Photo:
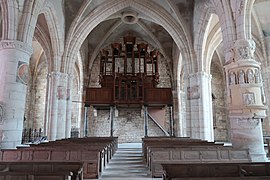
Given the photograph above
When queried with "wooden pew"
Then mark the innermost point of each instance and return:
(178, 150)
(165, 141)
(105, 145)
(219, 171)
(41, 170)
(93, 152)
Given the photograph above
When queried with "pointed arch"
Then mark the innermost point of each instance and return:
(80, 32)
(9, 19)
(56, 32)
(28, 20)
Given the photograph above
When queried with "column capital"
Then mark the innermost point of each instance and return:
(243, 50)
(199, 75)
(14, 44)
(59, 75)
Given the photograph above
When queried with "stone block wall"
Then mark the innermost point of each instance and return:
(36, 96)
(220, 117)
(128, 125)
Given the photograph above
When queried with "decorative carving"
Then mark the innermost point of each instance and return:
(249, 98)
(193, 92)
(22, 73)
(244, 49)
(257, 75)
(244, 52)
(249, 123)
(241, 78)
(250, 76)
(11, 44)
(232, 78)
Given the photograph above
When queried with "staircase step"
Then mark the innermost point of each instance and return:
(127, 163)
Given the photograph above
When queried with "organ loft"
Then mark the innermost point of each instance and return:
(129, 77)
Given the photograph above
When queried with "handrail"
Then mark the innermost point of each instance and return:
(160, 127)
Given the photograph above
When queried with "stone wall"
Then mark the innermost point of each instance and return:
(220, 118)
(128, 125)
(36, 96)
(40, 96)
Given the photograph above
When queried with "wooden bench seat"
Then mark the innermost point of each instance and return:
(173, 150)
(41, 170)
(105, 145)
(94, 154)
(252, 170)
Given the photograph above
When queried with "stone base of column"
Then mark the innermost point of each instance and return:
(247, 134)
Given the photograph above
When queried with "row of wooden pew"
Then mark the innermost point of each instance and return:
(217, 171)
(75, 158)
(172, 154)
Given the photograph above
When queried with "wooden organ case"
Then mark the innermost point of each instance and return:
(128, 77)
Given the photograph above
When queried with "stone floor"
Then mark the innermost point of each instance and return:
(127, 164)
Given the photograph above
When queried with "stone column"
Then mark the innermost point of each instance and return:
(145, 121)
(14, 59)
(62, 106)
(182, 115)
(199, 95)
(246, 100)
(175, 118)
(69, 106)
(47, 106)
(54, 78)
(86, 109)
(111, 119)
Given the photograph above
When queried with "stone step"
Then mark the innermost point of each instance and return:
(127, 163)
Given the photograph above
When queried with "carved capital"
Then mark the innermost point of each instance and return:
(248, 123)
(244, 49)
(13, 44)
(54, 74)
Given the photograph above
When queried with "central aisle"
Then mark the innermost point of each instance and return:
(127, 163)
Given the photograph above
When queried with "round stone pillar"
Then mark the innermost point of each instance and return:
(246, 101)
(69, 106)
(54, 78)
(62, 106)
(14, 59)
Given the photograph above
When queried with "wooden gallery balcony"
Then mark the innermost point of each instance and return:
(151, 97)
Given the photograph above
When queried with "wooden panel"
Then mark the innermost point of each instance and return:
(251, 170)
(99, 96)
(157, 96)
